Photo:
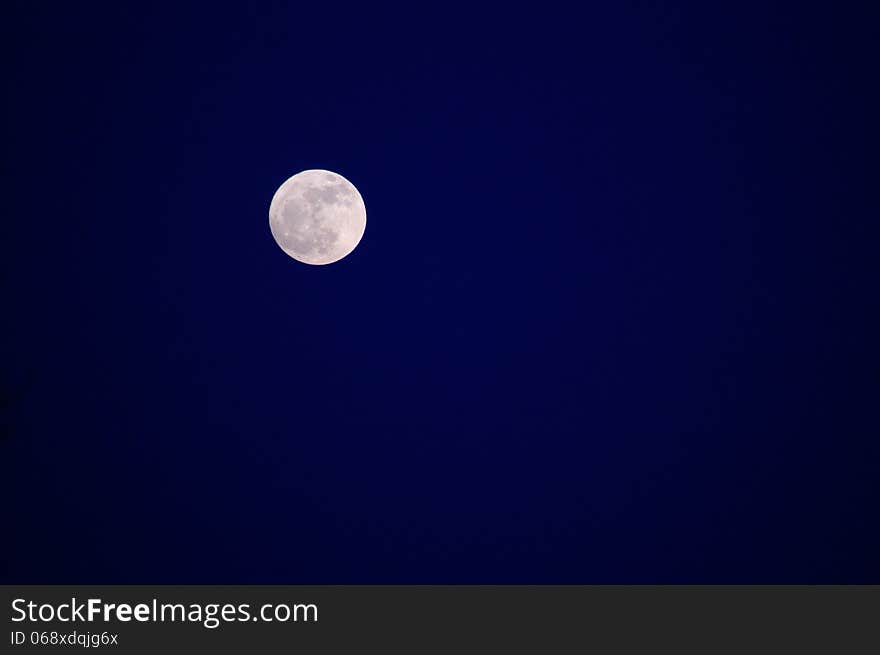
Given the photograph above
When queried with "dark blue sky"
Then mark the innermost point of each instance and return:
(613, 319)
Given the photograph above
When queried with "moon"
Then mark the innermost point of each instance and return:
(317, 217)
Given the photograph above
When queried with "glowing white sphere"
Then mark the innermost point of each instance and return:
(317, 217)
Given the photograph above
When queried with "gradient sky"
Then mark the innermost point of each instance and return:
(613, 319)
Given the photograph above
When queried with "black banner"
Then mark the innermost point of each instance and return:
(234, 619)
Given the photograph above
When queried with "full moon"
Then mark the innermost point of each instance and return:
(317, 217)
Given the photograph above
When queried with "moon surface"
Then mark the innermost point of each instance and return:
(317, 217)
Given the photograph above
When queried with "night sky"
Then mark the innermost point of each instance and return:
(613, 320)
